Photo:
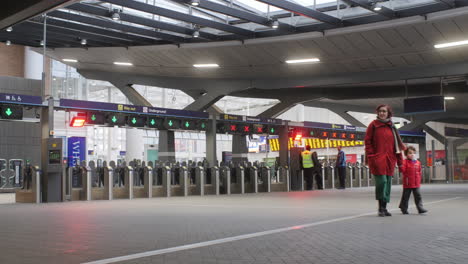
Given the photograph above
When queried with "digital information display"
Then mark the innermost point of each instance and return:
(54, 157)
(315, 143)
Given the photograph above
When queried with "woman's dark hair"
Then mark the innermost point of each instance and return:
(314, 154)
(408, 149)
(389, 110)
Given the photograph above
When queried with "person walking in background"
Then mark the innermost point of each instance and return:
(412, 171)
(341, 166)
(317, 171)
(307, 167)
(383, 147)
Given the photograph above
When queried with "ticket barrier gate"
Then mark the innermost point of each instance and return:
(11, 173)
(31, 192)
(225, 181)
(123, 176)
(264, 179)
(141, 179)
(251, 178)
(330, 177)
(284, 180)
(76, 179)
(396, 176)
(238, 180)
(197, 184)
(370, 179)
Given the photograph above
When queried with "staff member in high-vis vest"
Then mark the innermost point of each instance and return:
(308, 167)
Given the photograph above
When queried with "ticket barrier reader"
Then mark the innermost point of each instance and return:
(140, 177)
(31, 192)
(53, 180)
(396, 176)
(330, 177)
(198, 187)
(350, 177)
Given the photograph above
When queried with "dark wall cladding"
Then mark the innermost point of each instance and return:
(20, 140)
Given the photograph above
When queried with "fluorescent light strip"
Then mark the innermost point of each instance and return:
(449, 98)
(70, 60)
(213, 65)
(123, 63)
(303, 60)
(451, 44)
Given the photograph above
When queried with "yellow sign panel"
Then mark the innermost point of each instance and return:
(315, 143)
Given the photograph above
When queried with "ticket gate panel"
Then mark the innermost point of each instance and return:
(32, 192)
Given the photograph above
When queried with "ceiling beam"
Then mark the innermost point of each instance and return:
(105, 13)
(160, 11)
(78, 35)
(449, 3)
(136, 40)
(99, 11)
(366, 4)
(116, 26)
(304, 11)
(14, 11)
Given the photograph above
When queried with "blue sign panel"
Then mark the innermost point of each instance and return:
(76, 150)
(20, 99)
(87, 105)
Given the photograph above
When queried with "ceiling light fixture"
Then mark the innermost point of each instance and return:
(451, 44)
(9, 29)
(115, 15)
(449, 98)
(196, 34)
(41, 43)
(70, 60)
(377, 8)
(8, 43)
(195, 2)
(303, 60)
(84, 42)
(210, 65)
(123, 63)
(275, 24)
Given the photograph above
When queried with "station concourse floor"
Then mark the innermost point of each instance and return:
(330, 226)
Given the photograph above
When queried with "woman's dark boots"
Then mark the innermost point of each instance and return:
(381, 209)
(387, 213)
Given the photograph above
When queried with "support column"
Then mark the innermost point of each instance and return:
(349, 118)
(283, 142)
(278, 109)
(166, 146)
(240, 149)
(135, 144)
(211, 141)
(132, 95)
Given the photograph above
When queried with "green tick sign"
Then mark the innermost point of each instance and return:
(11, 112)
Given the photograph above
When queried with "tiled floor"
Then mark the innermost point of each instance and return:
(81, 232)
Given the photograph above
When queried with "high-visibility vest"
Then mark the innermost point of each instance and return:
(307, 159)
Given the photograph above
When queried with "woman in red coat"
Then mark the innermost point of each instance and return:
(383, 151)
(411, 170)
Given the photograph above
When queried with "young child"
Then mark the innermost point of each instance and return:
(411, 170)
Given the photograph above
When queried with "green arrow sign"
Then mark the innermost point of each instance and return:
(187, 124)
(134, 121)
(93, 117)
(8, 112)
(203, 125)
(272, 130)
(170, 123)
(152, 122)
(114, 119)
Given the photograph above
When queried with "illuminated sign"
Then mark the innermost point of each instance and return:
(153, 122)
(95, 118)
(116, 119)
(136, 121)
(171, 123)
(316, 143)
(11, 112)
